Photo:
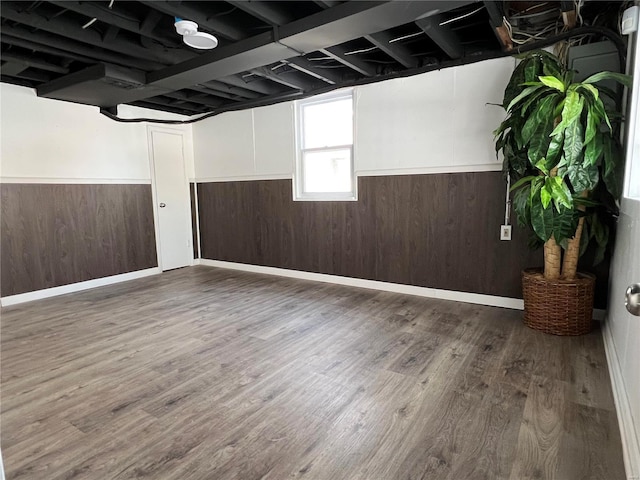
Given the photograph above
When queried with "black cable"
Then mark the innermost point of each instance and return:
(605, 32)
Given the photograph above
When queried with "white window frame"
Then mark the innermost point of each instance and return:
(298, 193)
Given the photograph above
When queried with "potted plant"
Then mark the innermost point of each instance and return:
(561, 150)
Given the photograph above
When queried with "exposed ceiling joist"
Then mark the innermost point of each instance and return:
(12, 68)
(65, 27)
(305, 66)
(103, 14)
(162, 108)
(268, 12)
(441, 35)
(37, 47)
(76, 48)
(496, 17)
(188, 108)
(34, 62)
(267, 73)
(30, 74)
(569, 14)
(111, 34)
(202, 98)
(330, 27)
(236, 91)
(339, 54)
(326, 3)
(396, 51)
(150, 21)
(253, 84)
(214, 94)
(274, 15)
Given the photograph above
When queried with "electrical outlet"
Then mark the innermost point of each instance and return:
(505, 232)
(629, 20)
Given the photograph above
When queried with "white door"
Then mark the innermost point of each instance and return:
(622, 330)
(171, 198)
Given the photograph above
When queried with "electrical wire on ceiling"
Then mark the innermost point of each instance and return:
(404, 37)
(93, 20)
(362, 50)
(536, 23)
(451, 20)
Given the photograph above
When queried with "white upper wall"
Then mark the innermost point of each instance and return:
(434, 122)
(45, 139)
(256, 143)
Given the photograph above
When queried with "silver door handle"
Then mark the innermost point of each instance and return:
(632, 299)
(162, 205)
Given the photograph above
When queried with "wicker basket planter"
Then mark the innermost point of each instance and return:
(559, 307)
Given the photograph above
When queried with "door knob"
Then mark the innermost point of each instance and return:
(162, 205)
(632, 299)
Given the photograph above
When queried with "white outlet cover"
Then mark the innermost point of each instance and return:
(630, 20)
(505, 232)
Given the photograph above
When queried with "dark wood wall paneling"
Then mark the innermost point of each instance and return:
(439, 231)
(194, 215)
(55, 235)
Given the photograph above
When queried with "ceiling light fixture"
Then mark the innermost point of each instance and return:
(192, 37)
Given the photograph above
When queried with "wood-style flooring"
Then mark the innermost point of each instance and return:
(204, 373)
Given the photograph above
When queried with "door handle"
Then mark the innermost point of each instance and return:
(162, 205)
(632, 299)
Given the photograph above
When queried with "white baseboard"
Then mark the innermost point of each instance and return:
(466, 297)
(630, 446)
(76, 287)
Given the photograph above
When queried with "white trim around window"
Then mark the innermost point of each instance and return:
(299, 192)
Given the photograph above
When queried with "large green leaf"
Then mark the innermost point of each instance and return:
(552, 82)
(599, 231)
(612, 94)
(591, 90)
(524, 94)
(573, 142)
(523, 181)
(521, 206)
(618, 77)
(565, 223)
(513, 88)
(554, 150)
(532, 69)
(599, 108)
(541, 218)
(585, 237)
(516, 160)
(536, 185)
(560, 192)
(538, 127)
(548, 221)
(582, 178)
(504, 126)
(545, 194)
(593, 122)
(535, 97)
(571, 111)
(593, 150)
(550, 65)
(612, 166)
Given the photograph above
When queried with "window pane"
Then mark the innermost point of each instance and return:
(328, 124)
(327, 171)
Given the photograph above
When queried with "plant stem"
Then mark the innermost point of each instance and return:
(571, 255)
(552, 255)
(570, 261)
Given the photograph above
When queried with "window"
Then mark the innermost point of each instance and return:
(324, 169)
